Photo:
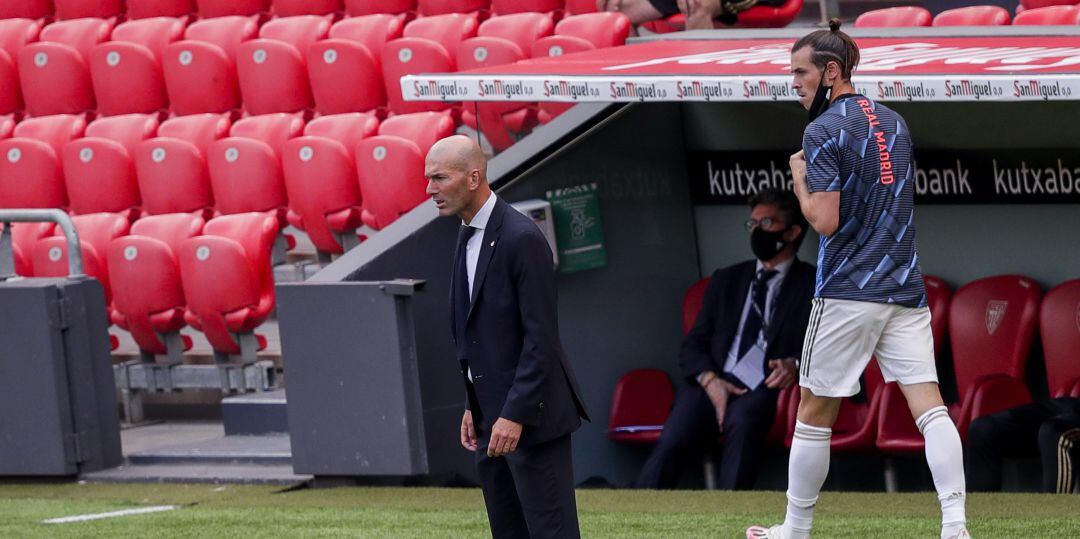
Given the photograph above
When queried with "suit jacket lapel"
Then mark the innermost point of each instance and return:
(487, 247)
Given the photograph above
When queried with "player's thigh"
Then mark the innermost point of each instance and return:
(840, 339)
(905, 350)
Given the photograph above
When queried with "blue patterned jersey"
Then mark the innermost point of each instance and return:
(863, 150)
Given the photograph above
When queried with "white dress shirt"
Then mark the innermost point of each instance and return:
(748, 369)
(472, 248)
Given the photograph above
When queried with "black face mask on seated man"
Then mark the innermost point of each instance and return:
(765, 244)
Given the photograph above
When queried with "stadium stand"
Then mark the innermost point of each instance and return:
(144, 9)
(505, 7)
(578, 7)
(973, 16)
(148, 296)
(1059, 317)
(639, 407)
(99, 169)
(172, 171)
(14, 35)
(200, 71)
(1050, 15)
(53, 72)
(502, 40)
(321, 180)
(30, 168)
(429, 45)
(245, 168)
(225, 8)
(427, 8)
(345, 70)
(26, 9)
(273, 69)
(81, 9)
(7, 126)
(895, 17)
(228, 281)
(126, 72)
(96, 232)
(291, 8)
(405, 8)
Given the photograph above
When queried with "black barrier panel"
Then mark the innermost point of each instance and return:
(940, 177)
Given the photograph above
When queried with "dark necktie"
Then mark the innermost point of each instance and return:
(462, 295)
(759, 291)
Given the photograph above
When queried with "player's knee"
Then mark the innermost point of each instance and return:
(1050, 432)
(981, 432)
(818, 411)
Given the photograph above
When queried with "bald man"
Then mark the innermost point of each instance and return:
(523, 398)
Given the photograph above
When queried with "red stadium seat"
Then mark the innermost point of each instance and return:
(23, 238)
(692, 304)
(273, 69)
(423, 128)
(392, 179)
(228, 280)
(30, 163)
(973, 16)
(126, 71)
(14, 35)
(144, 268)
(356, 8)
(1059, 325)
(81, 9)
(894, 17)
(292, 8)
(428, 8)
(53, 72)
(429, 46)
(225, 8)
(200, 72)
(1050, 15)
(504, 7)
(7, 126)
(639, 407)
(96, 232)
(579, 7)
(172, 170)
(26, 9)
(145, 9)
(345, 70)
(99, 169)
(321, 179)
(245, 169)
(502, 40)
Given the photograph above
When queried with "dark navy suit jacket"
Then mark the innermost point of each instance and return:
(511, 335)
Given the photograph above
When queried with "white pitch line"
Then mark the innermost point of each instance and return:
(111, 514)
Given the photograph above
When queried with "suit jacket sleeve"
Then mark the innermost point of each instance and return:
(696, 357)
(534, 277)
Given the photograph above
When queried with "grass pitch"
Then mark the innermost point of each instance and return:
(263, 511)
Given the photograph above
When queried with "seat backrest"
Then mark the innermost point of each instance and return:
(578, 7)
(79, 9)
(96, 232)
(201, 130)
(895, 17)
(938, 298)
(245, 169)
(171, 229)
(223, 8)
(227, 33)
(56, 130)
(1059, 325)
(200, 71)
(371, 31)
(153, 33)
(973, 16)
(603, 30)
(692, 303)
(79, 34)
(99, 169)
(447, 30)
(1050, 15)
(299, 31)
(356, 8)
(392, 182)
(128, 130)
(991, 327)
(423, 128)
(522, 29)
(273, 129)
(273, 70)
(347, 129)
(16, 33)
(642, 397)
(28, 9)
(428, 8)
(172, 170)
(503, 7)
(289, 8)
(254, 232)
(144, 9)
(1035, 4)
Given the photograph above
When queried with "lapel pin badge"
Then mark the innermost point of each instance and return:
(492, 243)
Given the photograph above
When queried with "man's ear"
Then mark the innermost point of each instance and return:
(832, 72)
(474, 180)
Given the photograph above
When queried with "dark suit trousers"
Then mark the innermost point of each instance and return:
(691, 429)
(1050, 429)
(530, 492)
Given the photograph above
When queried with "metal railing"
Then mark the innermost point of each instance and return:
(7, 253)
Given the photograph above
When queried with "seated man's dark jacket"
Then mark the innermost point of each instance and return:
(706, 347)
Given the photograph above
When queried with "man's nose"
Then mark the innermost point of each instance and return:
(430, 188)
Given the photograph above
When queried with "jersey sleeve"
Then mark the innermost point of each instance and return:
(822, 159)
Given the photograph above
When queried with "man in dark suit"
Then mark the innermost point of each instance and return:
(523, 398)
(741, 352)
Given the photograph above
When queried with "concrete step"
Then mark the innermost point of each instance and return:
(269, 450)
(255, 414)
(280, 474)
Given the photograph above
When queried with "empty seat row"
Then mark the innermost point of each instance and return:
(1038, 14)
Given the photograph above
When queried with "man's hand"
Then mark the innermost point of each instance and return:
(798, 167)
(608, 5)
(505, 436)
(699, 13)
(719, 391)
(468, 432)
(783, 373)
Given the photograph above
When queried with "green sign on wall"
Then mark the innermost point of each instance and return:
(578, 228)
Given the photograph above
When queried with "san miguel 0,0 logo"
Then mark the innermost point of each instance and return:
(499, 87)
(902, 90)
(699, 89)
(443, 90)
(573, 90)
(631, 90)
(1044, 90)
(967, 88)
(765, 89)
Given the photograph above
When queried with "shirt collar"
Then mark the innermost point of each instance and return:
(781, 268)
(480, 220)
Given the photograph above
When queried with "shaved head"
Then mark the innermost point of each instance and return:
(456, 169)
(461, 153)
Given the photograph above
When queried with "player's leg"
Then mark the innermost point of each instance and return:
(1009, 433)
(905, 353)
(1059, 446)
(640, 11)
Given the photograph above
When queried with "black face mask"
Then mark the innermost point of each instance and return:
(765, 244)
(821, 100)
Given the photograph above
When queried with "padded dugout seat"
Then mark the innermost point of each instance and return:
(148, 295)
(30, 162)
(346, 69)
(172, 171)
(200, 71)
(895, 17)
(126, 71)
(99, 169)
(228, 280)
(54, 72)
(1059, 326)
(14, 35)
(640, 405)
(245, 168)
(225, 8)
(321, 179)
(973, 16)
(273, 68)
(429, 45)
(145, 9)
(96, 232)
(1050, 15)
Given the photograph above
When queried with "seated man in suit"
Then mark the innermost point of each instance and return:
(741, 351)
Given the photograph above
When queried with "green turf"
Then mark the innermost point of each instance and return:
(260, 511)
